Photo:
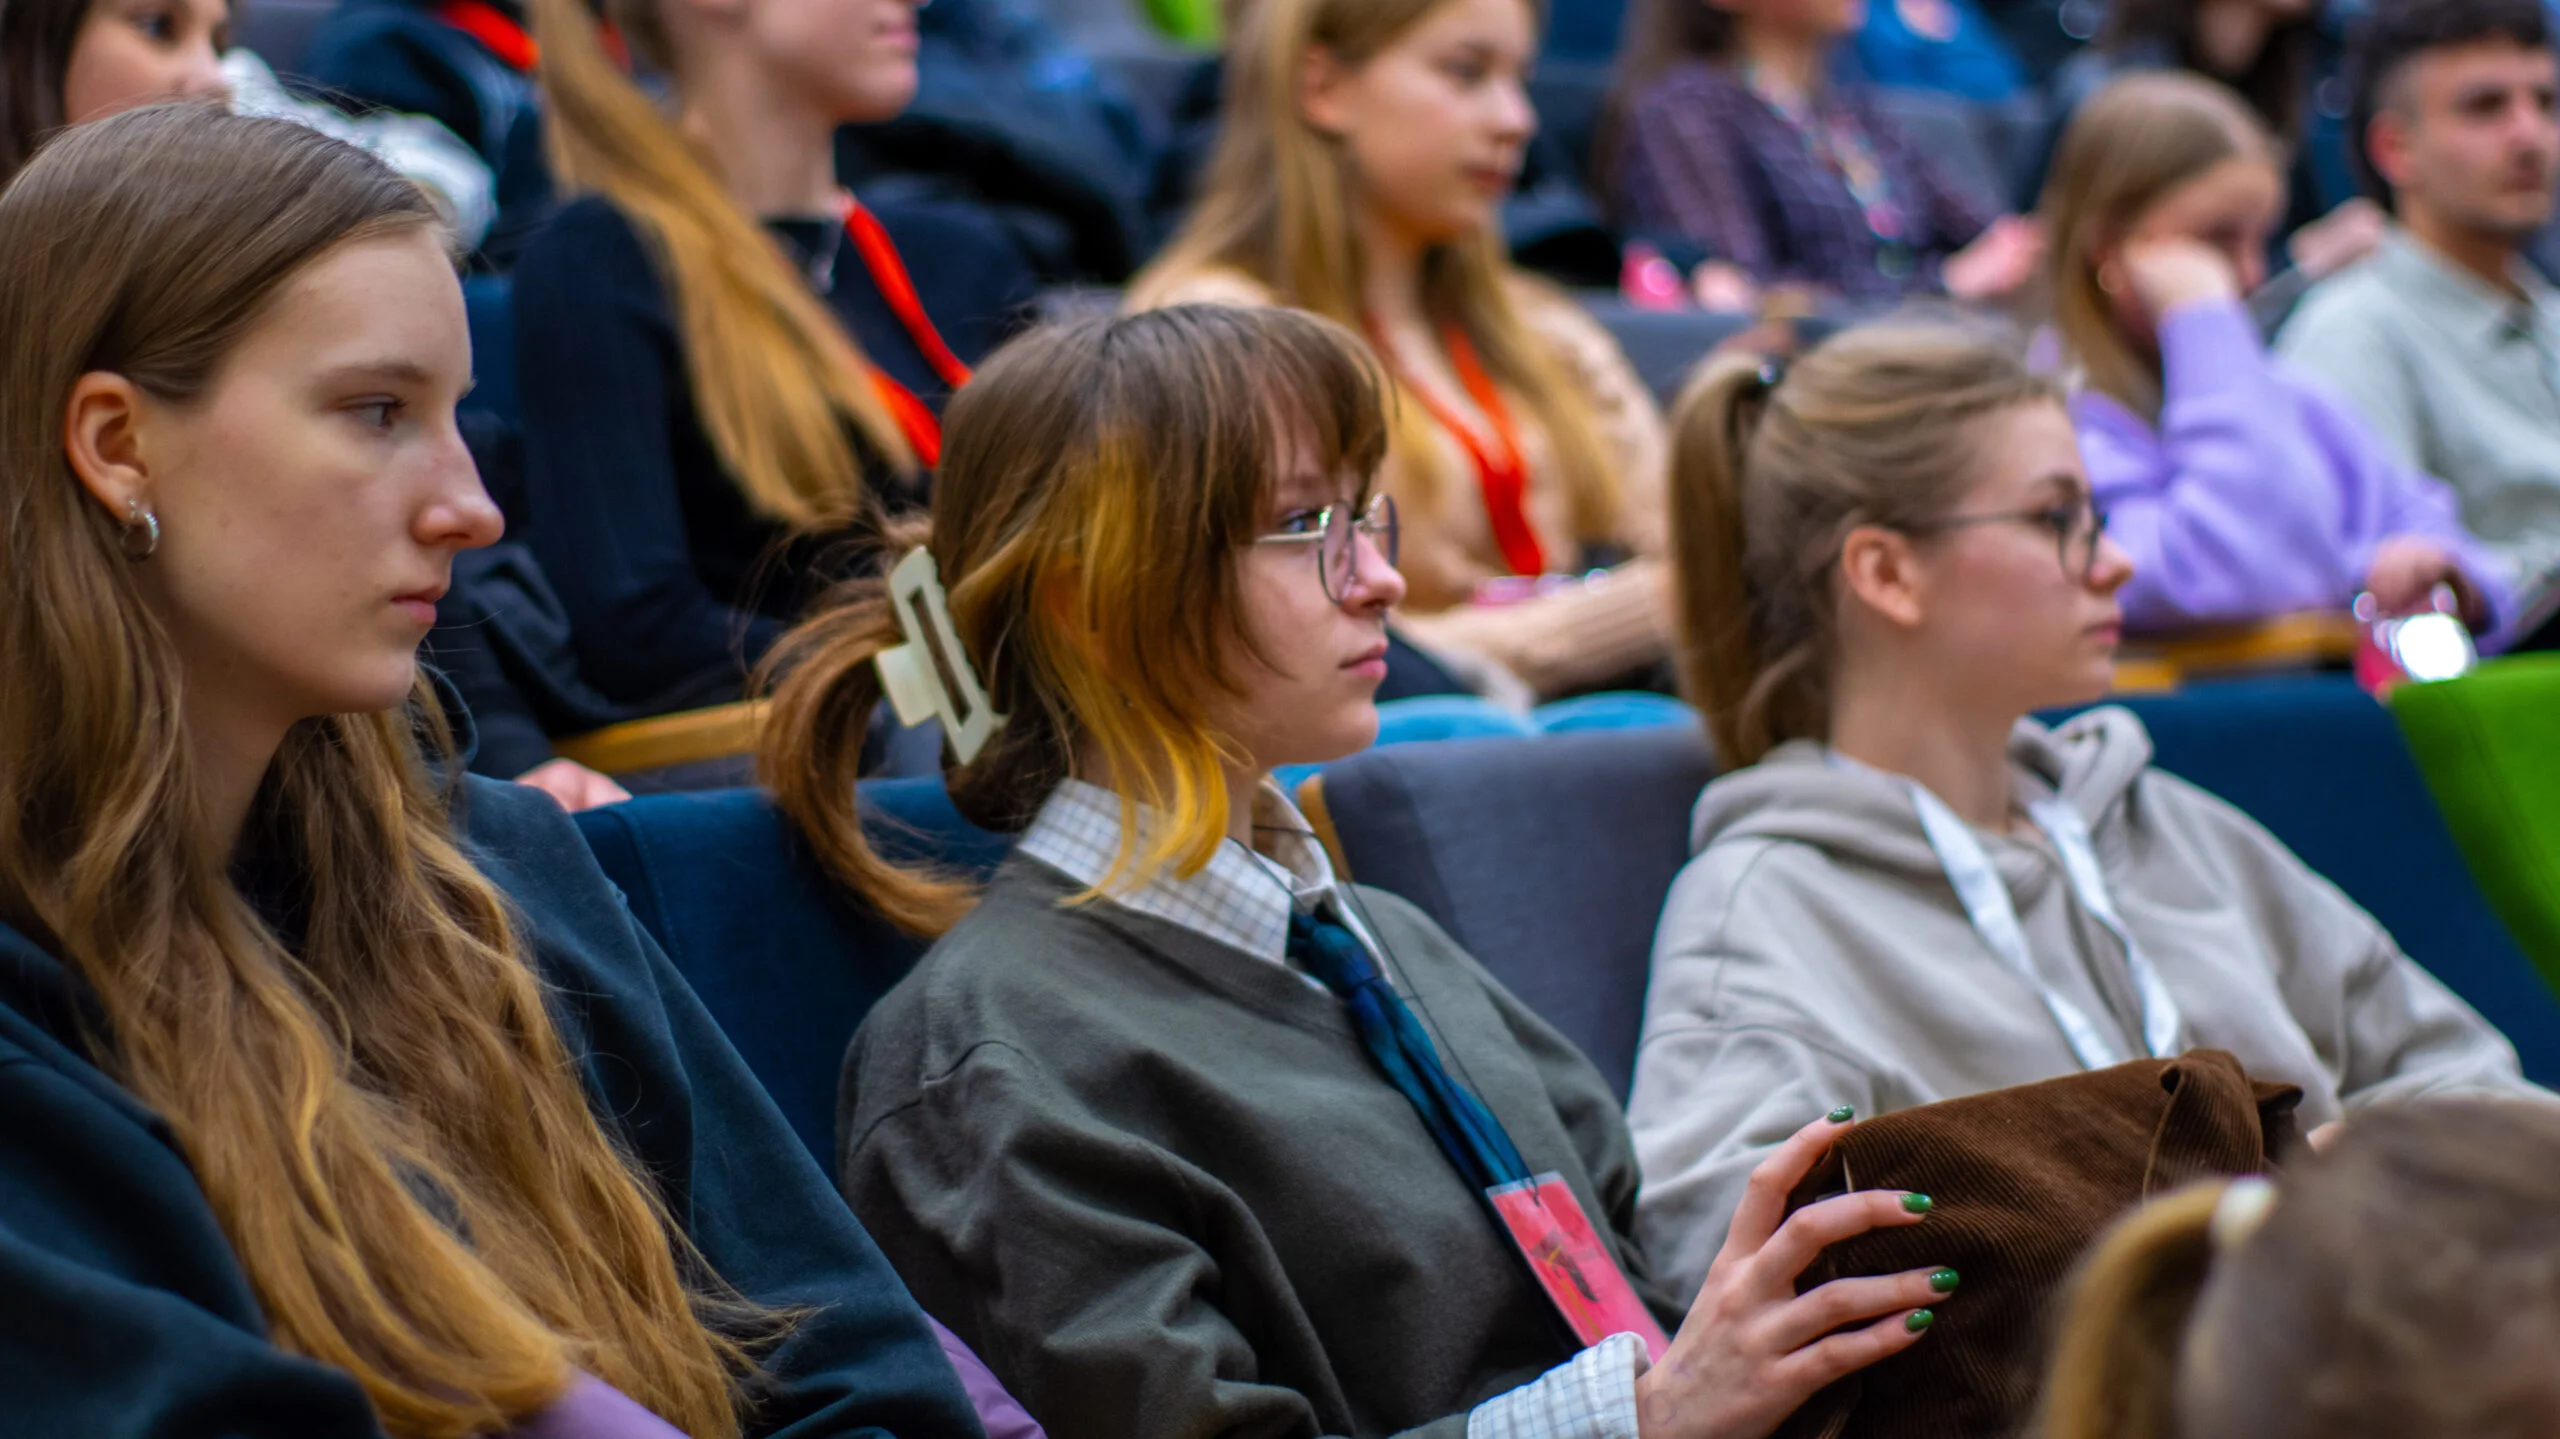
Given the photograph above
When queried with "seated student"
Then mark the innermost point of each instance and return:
(1130, 1125)
(338, 1094)
(2240, 490)
(2444, 343)
(730, 368)
(75, 62)
(1365, 148)
(71, 60)
(2264, 50)
(2397, 1287)
(1888, 557)
(1731, 134)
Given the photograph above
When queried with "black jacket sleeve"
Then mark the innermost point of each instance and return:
(602, 373)
(863, 1362)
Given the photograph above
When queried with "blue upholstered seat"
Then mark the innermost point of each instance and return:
(784, 959)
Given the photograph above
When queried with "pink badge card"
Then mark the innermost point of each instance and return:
(1573, 1263)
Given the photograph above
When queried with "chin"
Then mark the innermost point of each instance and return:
(881, 92)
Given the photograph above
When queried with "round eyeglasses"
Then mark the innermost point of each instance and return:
(1333, 533)
(2076, 527)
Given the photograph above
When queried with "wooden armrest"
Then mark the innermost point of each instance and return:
(663, 740)
(1320, 819)
(2143, 675)
(2297, 641)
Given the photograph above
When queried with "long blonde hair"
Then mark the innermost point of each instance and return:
(1879, 425)
(2405, 1286)
(1099, 483)
(2135, 141)
(775, 379)
(1276, 207)
(382, 1116)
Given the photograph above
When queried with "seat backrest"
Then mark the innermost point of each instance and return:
(2324, 768)
(1547, 858)
(786, 961)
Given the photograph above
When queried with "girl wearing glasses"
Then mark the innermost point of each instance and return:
(2240, 489)
(1185, 1137)
(1903, 889)
(1366, 148)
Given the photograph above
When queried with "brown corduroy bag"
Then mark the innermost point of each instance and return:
(2023, 1180)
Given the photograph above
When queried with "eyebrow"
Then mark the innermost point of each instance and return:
(2071, 485)
(393, 371)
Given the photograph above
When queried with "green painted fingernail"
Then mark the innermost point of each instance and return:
(1917, 1203)
(1842, 1115)
(1945, 1281)
(1919, 1319)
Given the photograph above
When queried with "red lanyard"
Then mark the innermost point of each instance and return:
(509, 41)
(889, 275)
(1503, 474)
(494, 28)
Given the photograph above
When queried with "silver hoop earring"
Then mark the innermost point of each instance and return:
(141, 532)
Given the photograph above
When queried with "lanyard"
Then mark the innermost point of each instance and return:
(1995, 918)
(1501, 473)
(879, 253)
(494, 28)
(506, 38)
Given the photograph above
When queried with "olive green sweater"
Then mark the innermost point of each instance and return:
(1158, 1184)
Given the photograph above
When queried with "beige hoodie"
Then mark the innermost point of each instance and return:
(1813, 954)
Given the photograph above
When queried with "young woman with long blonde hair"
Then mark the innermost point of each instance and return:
(731, 368)
(1366, 146)
(338, 1094)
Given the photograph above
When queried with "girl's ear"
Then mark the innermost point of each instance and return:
(102, 437)
(1881, 571)
(1324, 99)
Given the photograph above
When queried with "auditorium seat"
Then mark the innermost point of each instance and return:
(785, 961)
(1549, 858)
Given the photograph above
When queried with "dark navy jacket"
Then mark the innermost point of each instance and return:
(124, 1313)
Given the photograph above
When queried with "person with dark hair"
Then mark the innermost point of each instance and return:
(1733, 138)
(2268, 51)
(2449, 342)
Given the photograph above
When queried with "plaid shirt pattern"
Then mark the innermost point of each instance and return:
(1701, 159)
(1242, 899)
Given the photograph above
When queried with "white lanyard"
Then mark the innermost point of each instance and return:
(1986, 903)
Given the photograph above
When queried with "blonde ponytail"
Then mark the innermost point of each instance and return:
(1877, 426)
(775, 379)
(2115, 1365)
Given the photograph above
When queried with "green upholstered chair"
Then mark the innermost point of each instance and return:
(2489, 745)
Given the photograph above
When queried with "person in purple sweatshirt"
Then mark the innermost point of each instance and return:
(2241, 488)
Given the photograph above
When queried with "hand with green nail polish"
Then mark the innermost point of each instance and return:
(1752, 1349)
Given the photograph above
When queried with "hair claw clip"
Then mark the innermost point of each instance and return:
(920, 676)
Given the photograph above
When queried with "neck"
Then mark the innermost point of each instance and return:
(1243, 783)
(2229, 35)
(232, 754)
(1390, 271)
(1789, 61)
(2487, 255)
(774, 155)
(1909, 730)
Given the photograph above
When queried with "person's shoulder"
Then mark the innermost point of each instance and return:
(944, 228)
(1683, 83)
(2356, 306)
(585, 239)
(573, 915)
(1560, 322)
(1207, 285)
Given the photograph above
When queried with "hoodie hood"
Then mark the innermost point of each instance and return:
(1796, 794)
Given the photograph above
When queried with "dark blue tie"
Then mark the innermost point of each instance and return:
(1466, 1131)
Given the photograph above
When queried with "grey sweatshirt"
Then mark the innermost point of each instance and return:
(1813, 954)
